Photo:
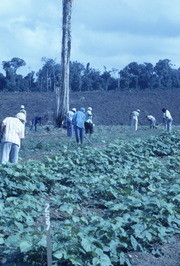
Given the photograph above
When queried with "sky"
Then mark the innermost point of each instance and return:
(105, 33)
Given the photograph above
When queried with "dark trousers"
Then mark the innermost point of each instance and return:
(34, 125)
(88, 127)
(69, 128)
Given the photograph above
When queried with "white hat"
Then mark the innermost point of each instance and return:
(138, 110)
(22, 106)
(90, 108)
(21, 116)
(73, 109)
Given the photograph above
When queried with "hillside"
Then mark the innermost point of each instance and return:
(109, 108)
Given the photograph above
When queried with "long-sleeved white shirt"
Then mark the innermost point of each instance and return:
(135, 115)
(168, 115)
(150, 117)
(13, 130)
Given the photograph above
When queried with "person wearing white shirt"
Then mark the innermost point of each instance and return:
(22, 110)
(152, 121)
(134, 119)
(69, 125)
(13, 132)
(167, 119)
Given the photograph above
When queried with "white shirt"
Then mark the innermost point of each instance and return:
(14, 130)
(150, 117)
(89, 117)
(69, 115)
(135, 115)
(168, 115)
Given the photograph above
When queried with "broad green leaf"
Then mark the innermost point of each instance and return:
(86, 244)
(1, 240)
(122, 258)
(42, 242)
(19, 225)
(134, 242)
(58, 254)
(12, 241)
(25, 246)
(148, 235)
(105, 260)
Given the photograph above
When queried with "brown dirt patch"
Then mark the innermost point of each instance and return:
(109, 108)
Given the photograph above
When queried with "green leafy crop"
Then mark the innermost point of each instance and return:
(104, 202)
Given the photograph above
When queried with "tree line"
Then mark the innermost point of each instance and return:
(85, 78)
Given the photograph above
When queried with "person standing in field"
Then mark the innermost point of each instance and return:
(89, 123)
(12, 129)
(167, 118)
(35, 121)
(69, 125)
(152, 121)
(78, 122)
(22, 110)
(134, 116)
(164, 120)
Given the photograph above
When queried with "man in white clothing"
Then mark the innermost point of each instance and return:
(13, 132)
(167, 119)
(22, 110)
(134, 119)
(69, 125)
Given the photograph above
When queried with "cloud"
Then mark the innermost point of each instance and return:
(135, 17)
(109, 33)
(29, 30)
(126, 30)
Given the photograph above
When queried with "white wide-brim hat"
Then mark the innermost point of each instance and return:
(21, 116)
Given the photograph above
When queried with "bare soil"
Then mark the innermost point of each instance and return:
(166, 254)
(169, 254)
(109, 108)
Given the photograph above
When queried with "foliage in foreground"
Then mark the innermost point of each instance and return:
(104, 203)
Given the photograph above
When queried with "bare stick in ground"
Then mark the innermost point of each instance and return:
(48, 235)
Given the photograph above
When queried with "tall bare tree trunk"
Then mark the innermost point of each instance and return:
(62, 92)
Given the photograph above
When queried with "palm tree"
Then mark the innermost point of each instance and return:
(62, 91)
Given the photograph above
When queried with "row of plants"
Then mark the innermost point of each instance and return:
(104, 203)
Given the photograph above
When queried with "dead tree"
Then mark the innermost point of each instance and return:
(62, 90)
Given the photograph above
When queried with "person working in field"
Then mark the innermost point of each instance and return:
(22, 110)
(69, 125)
(12, 129)
(167, 119)
(134, 116)
(35, 121)
(89, 123)
(152, 121)
(78, 122)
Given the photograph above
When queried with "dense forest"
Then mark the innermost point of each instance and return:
(84, 78)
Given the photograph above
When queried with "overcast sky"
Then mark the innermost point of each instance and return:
(110, 33)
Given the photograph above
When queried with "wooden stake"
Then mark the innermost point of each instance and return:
(48, 235)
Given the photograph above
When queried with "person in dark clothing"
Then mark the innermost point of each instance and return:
(89, 123)
(35, 121)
